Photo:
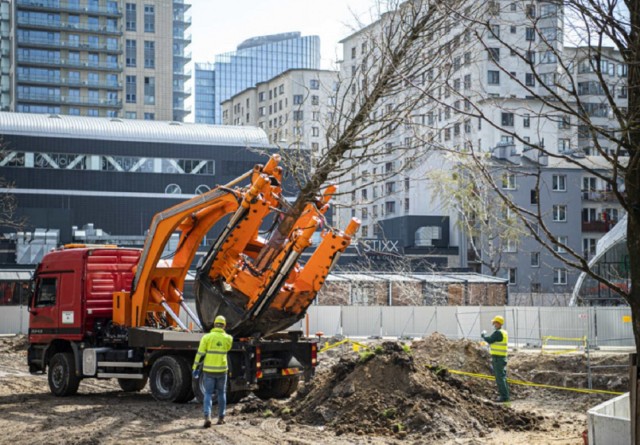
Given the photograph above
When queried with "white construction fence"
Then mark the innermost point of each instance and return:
(527, 326)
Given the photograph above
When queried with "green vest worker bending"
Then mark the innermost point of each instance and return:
(498, 342)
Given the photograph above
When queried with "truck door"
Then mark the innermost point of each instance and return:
(44, 311)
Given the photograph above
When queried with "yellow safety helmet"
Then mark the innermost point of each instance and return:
(498, 319)
(220, 320)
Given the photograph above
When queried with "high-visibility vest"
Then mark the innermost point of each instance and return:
(214, 347)
(500, 347)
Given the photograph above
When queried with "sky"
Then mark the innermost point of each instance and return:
(219, 26)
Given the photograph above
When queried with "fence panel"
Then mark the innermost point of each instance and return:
(446, 321)
(326, 319)
(361, 321)
(564, 322)
(398, 321)
(14, 320)
(614, 327)
(469, 322)
(425, 322)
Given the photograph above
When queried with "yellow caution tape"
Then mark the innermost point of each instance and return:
(537, 385)
(356, 345)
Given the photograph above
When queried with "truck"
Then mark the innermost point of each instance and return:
(105, 312)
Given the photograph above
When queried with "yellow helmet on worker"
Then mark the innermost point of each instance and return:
(498, 319)
(220, 320)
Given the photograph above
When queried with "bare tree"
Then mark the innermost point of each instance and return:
(379, 96)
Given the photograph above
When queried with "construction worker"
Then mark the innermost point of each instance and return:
(498, 343)
(212, 352)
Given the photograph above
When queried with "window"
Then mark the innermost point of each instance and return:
(534, 196)
(149, 116)
(589, 247)
(149, 90)
(130, 93)
(564, 240)
(564, 145)
(564, 122)
(535, 259)
(529, 80)
(560, 213)
(495, 32)
(510, 246)
(513, 29)
(130, 115)
(530, 34)
(390, 207)
(531, 11)
(390, 188)
(513, 275)
(507, 119)
(315, 131)
(315, 100)
(509, 181)
(494, 54)
(559, 183)
(130, 17)
(493, 77)
(149, 54)
(297, 99)
(298, 115)
(530, 56)
(131, 52)
(526, 121)
(46, 293)
(149, 18)
(560, 276)
(314, 84)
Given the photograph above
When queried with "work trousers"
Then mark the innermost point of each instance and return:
(499, 365)
(214, 383)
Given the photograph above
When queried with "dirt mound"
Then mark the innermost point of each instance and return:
(394, 390)
(12, 344)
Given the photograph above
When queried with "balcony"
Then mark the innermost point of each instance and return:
(81, 27)
(186, 92)
(598, 196)
(186, 55)
(597, 226)
(83, 64)
(56, 43)
(53, 5)
(182, 4)
(182, 36)
(183, 74)
(62, 81)
(66, 100)
(182, 19)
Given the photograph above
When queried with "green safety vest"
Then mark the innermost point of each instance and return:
(214, 347)
(500, 347)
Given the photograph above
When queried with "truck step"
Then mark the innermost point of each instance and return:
(121, 364)
(117, 375)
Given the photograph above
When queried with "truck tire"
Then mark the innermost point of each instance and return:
(277, 389)
(170, 379)
(133, 385)
(62, 377)
(232, 397)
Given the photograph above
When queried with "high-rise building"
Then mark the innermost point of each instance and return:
(499, 73)
(256, 60)
(109, 58)
(204, 95)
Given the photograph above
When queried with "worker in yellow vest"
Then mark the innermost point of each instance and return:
(498, 344)
(213, 349)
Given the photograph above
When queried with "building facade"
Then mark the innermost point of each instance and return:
(99, 58)
(481, 93)
(107, 177)
(256, 60)
(293, 108)
(204, 95)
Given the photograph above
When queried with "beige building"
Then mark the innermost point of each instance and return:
(108, 58)
(294, 108)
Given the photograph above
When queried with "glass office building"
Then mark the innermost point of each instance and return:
(204, 93)
(256, 60)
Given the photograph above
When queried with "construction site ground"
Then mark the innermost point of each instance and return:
(392, 393)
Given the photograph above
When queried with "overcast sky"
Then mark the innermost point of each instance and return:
(221, 25)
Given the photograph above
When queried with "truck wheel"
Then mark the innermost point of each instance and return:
(277, 389)
(62, 377)
(232, 397)
(170, 379)
(133, 385)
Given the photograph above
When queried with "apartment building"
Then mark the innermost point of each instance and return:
(101, 58)
(292, 108)
(496, 66)
(255, 60)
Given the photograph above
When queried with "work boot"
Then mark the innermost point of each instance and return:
(221, 421)
(207, 422)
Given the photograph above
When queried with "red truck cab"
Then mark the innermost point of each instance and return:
(73, 298)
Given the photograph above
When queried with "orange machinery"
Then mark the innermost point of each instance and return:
(257, 297)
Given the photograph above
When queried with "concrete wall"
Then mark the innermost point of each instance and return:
(609, 422)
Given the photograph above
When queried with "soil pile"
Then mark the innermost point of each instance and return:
(393, 390)
(13, 344)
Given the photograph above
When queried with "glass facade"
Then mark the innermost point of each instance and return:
(204, 98)
(257, 60)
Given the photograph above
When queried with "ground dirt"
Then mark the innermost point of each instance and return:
(392, 393)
